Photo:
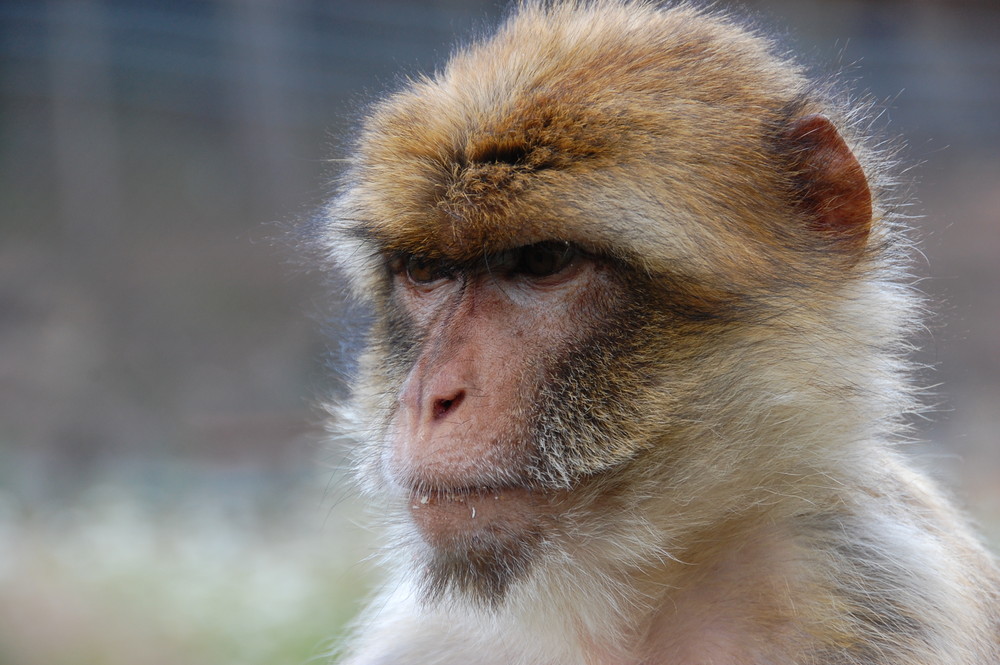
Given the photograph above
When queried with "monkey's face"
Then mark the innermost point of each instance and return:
(512, 394)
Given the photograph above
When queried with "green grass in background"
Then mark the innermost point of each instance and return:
(113, 580)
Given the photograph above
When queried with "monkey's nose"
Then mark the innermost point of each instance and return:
(444, 405)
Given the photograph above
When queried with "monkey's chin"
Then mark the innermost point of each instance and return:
(481, 540)
(447, 518)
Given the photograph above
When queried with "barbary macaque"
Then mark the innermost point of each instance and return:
(638, 361)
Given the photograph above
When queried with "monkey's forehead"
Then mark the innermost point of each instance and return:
(611, 124)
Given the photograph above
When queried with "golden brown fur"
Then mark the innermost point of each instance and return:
(725, 417)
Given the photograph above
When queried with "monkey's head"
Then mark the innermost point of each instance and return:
(621, 260)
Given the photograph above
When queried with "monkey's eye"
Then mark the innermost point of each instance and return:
(423, 270)
(545, 258)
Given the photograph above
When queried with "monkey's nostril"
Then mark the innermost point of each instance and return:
(443, 407)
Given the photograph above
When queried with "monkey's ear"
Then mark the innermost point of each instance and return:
(832, 188)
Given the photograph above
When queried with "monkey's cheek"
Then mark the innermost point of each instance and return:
(450, 519)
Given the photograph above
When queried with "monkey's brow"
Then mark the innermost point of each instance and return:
(369, 234)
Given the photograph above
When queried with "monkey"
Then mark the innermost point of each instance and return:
(638, 367)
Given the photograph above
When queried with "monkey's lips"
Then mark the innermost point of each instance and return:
(448, 517)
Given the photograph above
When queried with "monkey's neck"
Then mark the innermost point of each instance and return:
(726, 592)
(719, 583)
(712, 607)
(739, 587)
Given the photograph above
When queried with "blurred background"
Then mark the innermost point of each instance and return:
(166, 492)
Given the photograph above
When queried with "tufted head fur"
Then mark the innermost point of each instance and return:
(576, 99)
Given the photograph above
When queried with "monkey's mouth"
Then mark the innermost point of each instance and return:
(481, 539)
(448, 517)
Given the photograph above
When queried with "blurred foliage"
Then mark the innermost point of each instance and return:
(112, 580)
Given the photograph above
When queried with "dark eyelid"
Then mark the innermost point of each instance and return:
(502, 262)
(510, 261)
